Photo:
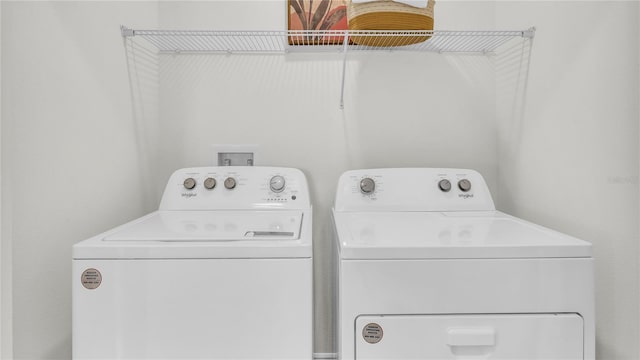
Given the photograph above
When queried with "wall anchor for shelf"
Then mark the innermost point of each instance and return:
(125, 31)
(529, 33)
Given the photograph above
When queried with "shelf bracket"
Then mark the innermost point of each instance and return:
(126, 32)
(345, 47)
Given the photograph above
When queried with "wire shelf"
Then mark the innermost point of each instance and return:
(441, 41)
(343, 41)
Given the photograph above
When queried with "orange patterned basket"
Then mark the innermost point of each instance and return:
(389, 15)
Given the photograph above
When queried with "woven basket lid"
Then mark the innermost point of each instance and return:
(384, 6)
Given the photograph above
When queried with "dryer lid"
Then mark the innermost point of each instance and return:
(212, 226)
(450, 235)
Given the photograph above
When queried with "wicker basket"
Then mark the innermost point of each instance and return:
(389, 15)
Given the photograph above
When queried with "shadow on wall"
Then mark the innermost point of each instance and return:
(512, 77)
(425, 100)
(143, 70)
(429, 109)
(272, 100)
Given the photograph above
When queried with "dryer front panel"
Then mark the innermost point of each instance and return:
(492, 336)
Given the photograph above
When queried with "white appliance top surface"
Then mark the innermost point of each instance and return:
(228, 234)
(449, 235)
(182, 226)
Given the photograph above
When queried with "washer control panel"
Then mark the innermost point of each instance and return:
(236, 187)
(413, 189)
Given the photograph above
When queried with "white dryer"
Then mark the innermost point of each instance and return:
(223, 270)
(428, 269)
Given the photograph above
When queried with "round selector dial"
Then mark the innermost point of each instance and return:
(464, 185)
(189, 183)
(277, 183)
(367, 185)
(444, 185)
(209, 183)
(229, 183)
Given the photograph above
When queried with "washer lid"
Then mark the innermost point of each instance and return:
(189, 226)
(451, 235)
(236, 234)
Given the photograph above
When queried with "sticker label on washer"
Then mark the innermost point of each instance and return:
(91, 278)
(372, 333)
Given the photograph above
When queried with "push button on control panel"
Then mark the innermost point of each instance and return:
(230, 183)
(464, 185)
(444, 185)
(210, 183)
(367, 185)
(189, 183)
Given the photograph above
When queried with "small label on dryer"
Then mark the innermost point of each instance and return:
(91, 279)
(372, 333)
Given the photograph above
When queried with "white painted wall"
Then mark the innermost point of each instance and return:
(73, 97)
(400, 110)
(570, 161)
(2, 258)
(69, 133)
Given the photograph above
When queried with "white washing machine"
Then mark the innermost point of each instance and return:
(223, 270)
(428, 269)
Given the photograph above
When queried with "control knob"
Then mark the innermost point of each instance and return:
(229, 183)
(209, 183)
(444, 185)
(464, 185)
(189, 183)
(277, 183)
(367, 185)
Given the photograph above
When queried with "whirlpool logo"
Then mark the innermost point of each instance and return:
(465, 196)
(188, 195)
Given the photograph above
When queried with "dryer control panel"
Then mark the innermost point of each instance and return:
(413, 189)
(236, 187)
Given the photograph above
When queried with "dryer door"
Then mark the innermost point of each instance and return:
(498, 336)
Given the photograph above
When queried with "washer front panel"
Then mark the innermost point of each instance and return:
(194, 309)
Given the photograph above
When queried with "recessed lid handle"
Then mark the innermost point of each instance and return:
(268, 233)
(480, 336)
